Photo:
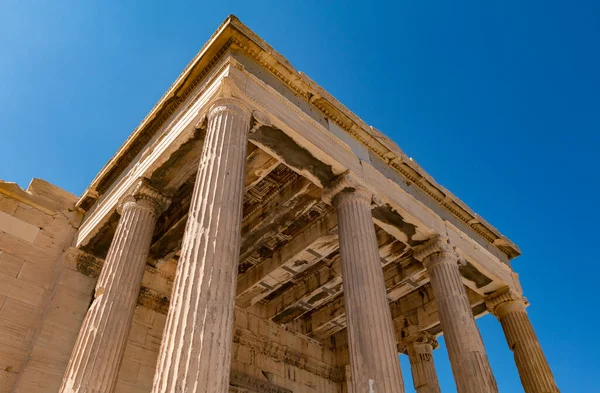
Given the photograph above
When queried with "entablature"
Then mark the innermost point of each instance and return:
(367, 142)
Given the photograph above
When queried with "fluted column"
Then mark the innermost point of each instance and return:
(419, 349)
(470, 364)
(532, 365)
(195, 355)
(97, 354)
(373, 358)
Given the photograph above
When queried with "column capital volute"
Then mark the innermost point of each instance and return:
(259, 119)
(144, 194)
(231, 105)
(437, 245)
(420, 338)
(349, 185)
(505, 301)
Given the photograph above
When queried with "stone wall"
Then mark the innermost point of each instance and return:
(46, 288)
(266, 358)
(42, 301)
(137, 370)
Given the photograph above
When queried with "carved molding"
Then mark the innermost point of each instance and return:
(350, 185)
(421, 338)
(395, 159)
(153, 300)
(505, 301)
(244, 383)
(228, 104)
(327, 104)
(287, 355)
(259, 119)
(150, 197)
(435, 245)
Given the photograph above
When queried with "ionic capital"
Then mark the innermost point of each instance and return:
(505, 301)
(351, 188)
(259, 119)
(420, 338)
(437, 245)
(146, 196)
(229, 105)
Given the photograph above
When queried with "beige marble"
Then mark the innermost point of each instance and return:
(289, 310)
(195, 355)
(419, 349)
(534, 370)
(470, 365)
(98, 352)
(374, 362)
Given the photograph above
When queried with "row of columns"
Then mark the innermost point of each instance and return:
(195, 353)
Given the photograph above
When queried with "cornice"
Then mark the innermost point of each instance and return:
(233, 32)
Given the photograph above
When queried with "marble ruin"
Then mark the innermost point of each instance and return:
(253, 235)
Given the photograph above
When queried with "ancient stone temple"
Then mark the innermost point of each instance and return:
(253, 235)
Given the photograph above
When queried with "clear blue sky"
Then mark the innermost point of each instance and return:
(499, 101)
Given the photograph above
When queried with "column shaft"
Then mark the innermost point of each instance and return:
(372, 344)
(195, 354)
(470, 365)
(98, 352)
(532, 365)
(425, 379)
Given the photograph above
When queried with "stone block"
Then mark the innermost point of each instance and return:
(64, 318)
(37, 381)
(17, 312)
(124, 387)
(129, 371)
(45, 241)
(48, 360)
(11, 358)
(7, 381)
(240, 318)
(138, 333)
(57, 339)
(153, 340)
(8, 205)
(42, 276)
(78, 282)
(12, 287)
(60, 230)
(266, 363)
(144, 316)
(10, 264)
(32, 216)
(71, 300)
(19, 228)
(28, 251)
(141, 354)
(160, 320)
(146, 376)
(242, 354)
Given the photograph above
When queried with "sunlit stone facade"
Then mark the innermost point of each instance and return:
(253, 235)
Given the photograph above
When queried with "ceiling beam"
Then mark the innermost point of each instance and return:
(276, 213)
(312, 291)
(311, 245)
(401, 278)
(324, 284)
(168, 243)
